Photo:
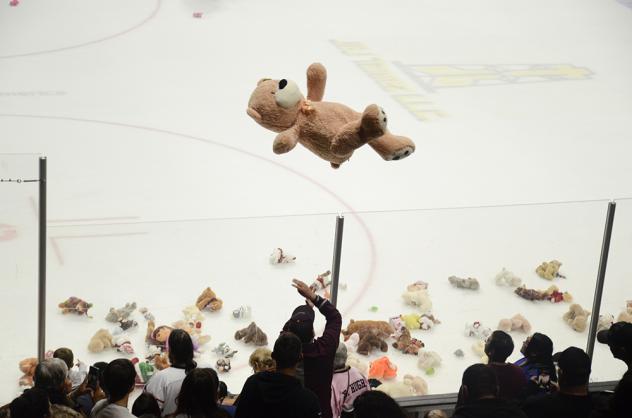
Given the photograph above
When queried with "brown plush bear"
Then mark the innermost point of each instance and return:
(27, 367)
(252, 333)
(208, 300)
(330, 130)
(407, 344)
(100, 341)
(357, 326)
(369, 339)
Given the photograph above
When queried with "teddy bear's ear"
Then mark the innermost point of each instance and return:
(262, 80)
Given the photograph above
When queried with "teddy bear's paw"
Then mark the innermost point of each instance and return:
(374, 121)
(382, 119)
(401, 153)
(306, 107)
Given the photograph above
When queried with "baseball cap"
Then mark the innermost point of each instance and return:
(619, 334)
(301, 323)
(573, 360)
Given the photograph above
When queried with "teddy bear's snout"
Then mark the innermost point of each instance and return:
(282, 84)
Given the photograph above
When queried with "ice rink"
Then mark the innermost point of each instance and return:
(160, 184)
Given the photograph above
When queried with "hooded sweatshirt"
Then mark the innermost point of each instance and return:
(271, 394)
(489, 408)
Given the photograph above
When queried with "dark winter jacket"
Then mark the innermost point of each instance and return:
(489, 408)
(271, 394)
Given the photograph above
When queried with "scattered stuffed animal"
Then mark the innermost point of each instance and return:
(279, 256)
(507, 278)
(356, 326)
(146, 314)
(209, 301)
(479, 349)
(192, 324)
(397, 324)
(626, 315)
(476, 329)
(223, 365)
(144, 370)
(100, 341)
(516, 322)
(252, 333)
(459, 353)
(322, 282)
(123, 345)
(418, 285)
(436, 413)
(408, 345)
(416, 321)
(396, 389)
(243, 312)
(605, 322)
(27, 367)
(157, 336)
(577, 317)
(224, 350)
(419, 385)
(161, 361)
(469, 283)
(330, 130)
(121, 314)
(371, 338)
(428, 361)
(356, 362)
(549, 270)
(551, 294)
(75, 305)
(418, 298)
(382, 369)
(352, 342)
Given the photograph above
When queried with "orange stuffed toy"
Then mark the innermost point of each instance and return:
(382, 369)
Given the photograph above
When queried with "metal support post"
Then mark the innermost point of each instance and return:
(41, 296)
(601, 275)
(335, 267)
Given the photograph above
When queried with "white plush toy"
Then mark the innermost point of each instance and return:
(419, 385)
(418, 298)
(476, 329)
(507, 278)
(605, 322)
(279, 256)
(479, 348)
(357, 363)
(428, 361)
(352, 342)
(396, 389)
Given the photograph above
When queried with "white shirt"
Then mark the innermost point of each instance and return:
(165, 386)
(104, 409)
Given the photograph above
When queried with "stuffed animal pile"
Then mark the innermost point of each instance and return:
(330, 130)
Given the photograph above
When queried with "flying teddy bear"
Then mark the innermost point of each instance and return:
(577, 317)
(27, 367)
(516, 322)
(209, 301)
(330, 130)
(252, 333)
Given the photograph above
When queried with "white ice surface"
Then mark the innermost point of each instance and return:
(140, 109)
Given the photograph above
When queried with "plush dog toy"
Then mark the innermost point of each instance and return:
(252, 333)
(330, 130)
(516, 322)
(358, 326)
(577, 317)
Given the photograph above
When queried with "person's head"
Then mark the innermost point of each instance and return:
(619, 339)
(287, 351)
(538, 348)
(51, 376)
(146, 405)
(100, 366)
(573, 368)
(66, 355)
(376, 404)
(479, 381)
(198, 394)
(33, 403)
(301, 324)
(118, 379)
(340, 359)
(181, 350)
(222, 391)
(261, 360)
(499, 346)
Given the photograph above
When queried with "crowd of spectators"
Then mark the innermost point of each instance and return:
(306, 376)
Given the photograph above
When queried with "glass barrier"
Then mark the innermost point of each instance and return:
(165, 266)
(384, 252)
(18, 266)
(617, 292)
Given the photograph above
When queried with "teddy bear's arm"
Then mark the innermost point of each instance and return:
(316, 80)
(285, 141)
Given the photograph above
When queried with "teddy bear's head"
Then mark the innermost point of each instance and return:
(275, 104)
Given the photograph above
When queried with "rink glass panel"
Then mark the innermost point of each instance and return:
(617, 289)
(165, 265)
(386, 251)
(18, 267)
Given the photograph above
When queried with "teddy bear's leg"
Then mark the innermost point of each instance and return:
(285, 141)
(316, 80)
(354, 134)
(393, 147)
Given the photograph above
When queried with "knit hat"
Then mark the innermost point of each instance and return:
(340, 359)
